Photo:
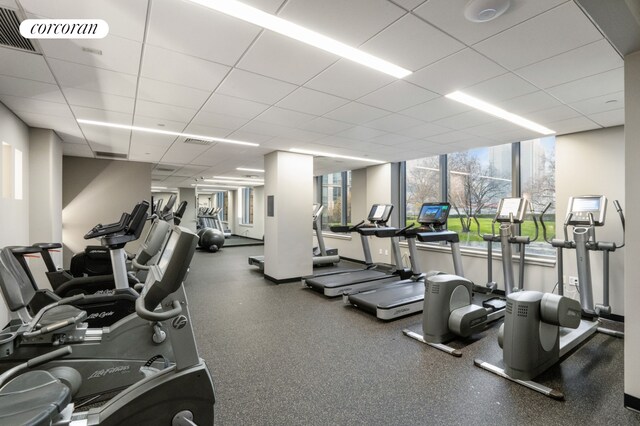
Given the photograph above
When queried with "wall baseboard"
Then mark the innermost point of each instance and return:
(283, 281)
(631, 402)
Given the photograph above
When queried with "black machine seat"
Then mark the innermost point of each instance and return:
(33, 398)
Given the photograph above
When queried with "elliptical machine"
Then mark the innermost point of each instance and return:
(449, 311)
(540, 328)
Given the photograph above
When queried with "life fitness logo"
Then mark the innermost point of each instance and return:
(64, 28)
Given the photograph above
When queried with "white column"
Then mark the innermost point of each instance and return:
(632, 250)
(189, 217)
(288, 230)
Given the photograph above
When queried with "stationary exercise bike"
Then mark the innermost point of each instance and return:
(541, 328)
(178, 394)
(449, 312)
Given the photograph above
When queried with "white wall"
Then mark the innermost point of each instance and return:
(189, 218)
(99, 191)
(593, 163)
(632, 251)
(14, 214)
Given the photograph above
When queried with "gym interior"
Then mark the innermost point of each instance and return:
(470, 257)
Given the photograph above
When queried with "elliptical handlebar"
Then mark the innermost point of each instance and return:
(544, 227)
(100, 230)
(616, 204)
(535, 222)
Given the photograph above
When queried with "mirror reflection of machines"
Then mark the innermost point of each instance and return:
(322, 256)
(405, 297)
(449, 311)
(335, 283)
(541, 328)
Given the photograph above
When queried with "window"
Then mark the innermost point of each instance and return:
(247, 206)
(220, 196)
(423, 185)
(17, 191)
(336, 199)
(477, 180)
(538, 182)
(7, 170)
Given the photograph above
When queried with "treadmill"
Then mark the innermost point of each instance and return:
(336, 283)
(407, 297)
(322, 256)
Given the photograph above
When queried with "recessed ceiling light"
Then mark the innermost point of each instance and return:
(235, 182)
(328, 154)
(213, 186)
(163, 132)
(245, 169)
(498, 112)
(289, 29)
(158, 187)
(237, 178)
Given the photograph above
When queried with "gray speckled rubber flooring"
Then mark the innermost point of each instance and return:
(284, 355)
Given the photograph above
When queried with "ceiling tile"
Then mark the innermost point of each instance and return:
(126, 18)
(284, 117)
(172, 94)
(188, 28)
(351, 22)
(105, 139)
(409, 4)
(76, 150)
(183, 153)
(233, 106)
(411, 43)
(445, 138)
(326, 126)
(573, 125)
(393, 123)
(164, 111)
(62, 125)
(573, 65)
(449, 17)
(266, 129)
(30, 66)
(390, 139)
(614, 117)
(356, 113)
(505, 86)
(311, 101)
(548, 34)
(173, 67)
(160, 124)
(162, 141)
(424, 131)
(254, 87)
(465, 120)
(9, 4)
(35, 106)
(84, 77)
(101, 115)
(435, 109)
(531, 102)
(243, 135)
(222, 121)
(361, 133)
(202, 130)
(285, 59)
(561, 112)
(90, 99)
(349, 80)
(489, 129)
(600, 104)
(30, 89)
(590, 87)
(455, 72)
(397, 96)
(118, 54)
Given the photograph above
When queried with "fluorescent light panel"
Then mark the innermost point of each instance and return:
(328, 154)
(238, 178)
(289, 29)
(234, 182)
(213, 186)
(498, 112)
(245, 169)
(164, 132)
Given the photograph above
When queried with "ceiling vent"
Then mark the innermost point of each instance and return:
(166, 169)
(197, 141)
(111, 155)
(10, 31)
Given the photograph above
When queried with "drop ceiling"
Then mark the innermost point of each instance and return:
(173, 65)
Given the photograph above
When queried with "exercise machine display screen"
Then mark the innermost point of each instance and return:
(168, 250)
(434, 214)
(511, 209)
(583, 208)
(380, 212)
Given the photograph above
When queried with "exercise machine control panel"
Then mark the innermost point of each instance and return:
(586, 208)
(380, 213)
(512, 209)
(435, 214)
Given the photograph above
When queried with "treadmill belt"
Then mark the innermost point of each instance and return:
(347, 278)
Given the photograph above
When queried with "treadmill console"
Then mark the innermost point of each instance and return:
(511, 208)
(380, 213)
(434, 214)
(585, 206)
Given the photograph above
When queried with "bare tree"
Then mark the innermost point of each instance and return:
(423, 183)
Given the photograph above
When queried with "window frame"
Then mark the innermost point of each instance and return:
(247, 206)
(345, 189)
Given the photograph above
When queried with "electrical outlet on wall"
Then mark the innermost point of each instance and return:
(573, 281)
(386, 252)
(380, 251)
